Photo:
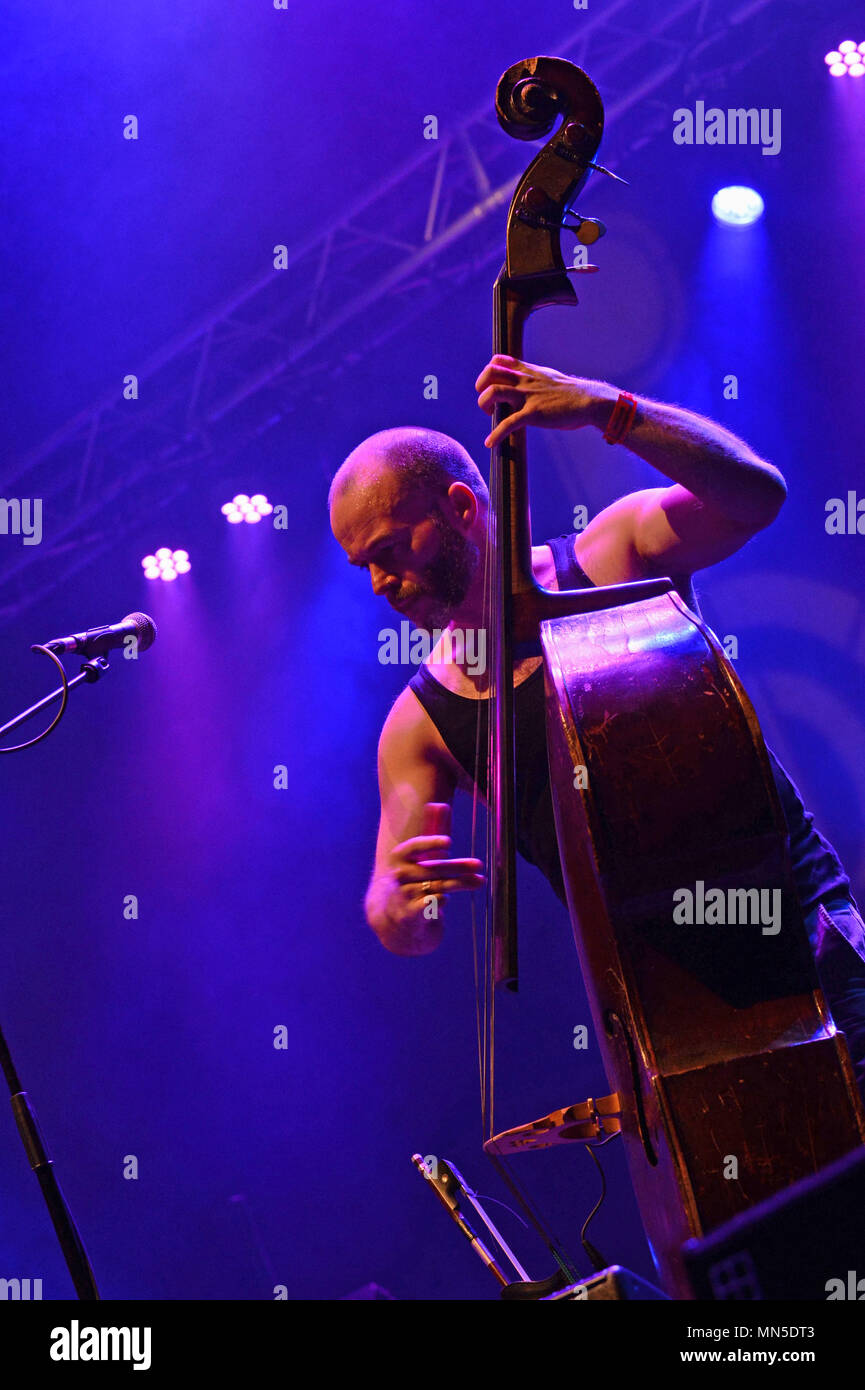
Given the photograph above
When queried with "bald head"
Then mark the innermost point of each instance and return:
(410, 506)
(396, 463)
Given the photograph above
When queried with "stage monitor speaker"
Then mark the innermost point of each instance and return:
(612, 1283)
(807, 1242)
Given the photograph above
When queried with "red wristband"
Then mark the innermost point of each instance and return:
(621, 419)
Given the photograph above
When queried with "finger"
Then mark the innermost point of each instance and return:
(502, 376)
(420, 844)
(436, 818)
(500, 395)
(438, 868)
(507, 426)
(439, 888)
(449, 868)
(520, 365)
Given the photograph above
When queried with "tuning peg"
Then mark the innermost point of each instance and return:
(576, 135)
(536, 205)
(587, 229)
(599, 168)
(538, 209)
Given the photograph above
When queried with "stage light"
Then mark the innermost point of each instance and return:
(848, 57)
(166, 564)
(243, 508)
(737, 206)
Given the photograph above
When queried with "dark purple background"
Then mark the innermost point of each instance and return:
(154, 1037)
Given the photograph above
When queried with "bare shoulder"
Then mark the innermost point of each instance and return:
(605, 550)
(544, 567)
(409, 736)
(415, 765)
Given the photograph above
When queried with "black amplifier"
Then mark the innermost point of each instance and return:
(807, 1242)
(612, 1283)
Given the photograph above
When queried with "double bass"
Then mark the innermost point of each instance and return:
(728, 1081)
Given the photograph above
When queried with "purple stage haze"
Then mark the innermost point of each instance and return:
(231, 1072)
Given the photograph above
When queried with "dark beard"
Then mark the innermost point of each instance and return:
(448, 577)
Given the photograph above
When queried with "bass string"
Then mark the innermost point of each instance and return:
(485, 993)
(493, 618)
(492, 803)
(485, 1000)
(481, 967)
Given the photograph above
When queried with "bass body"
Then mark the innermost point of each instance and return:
(731, 1078)
(728, 1079)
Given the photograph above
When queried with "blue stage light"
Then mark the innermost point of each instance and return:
(243, 508)
(166, 564)
(847, 58)
(737, 206)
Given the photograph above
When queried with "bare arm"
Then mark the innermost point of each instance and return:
(722, 492)
(417, 784)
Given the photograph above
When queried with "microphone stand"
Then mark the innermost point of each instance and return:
(67, 1233)
(28, 1127)
(90, 673)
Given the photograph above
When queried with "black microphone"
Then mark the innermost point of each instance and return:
(96, 641)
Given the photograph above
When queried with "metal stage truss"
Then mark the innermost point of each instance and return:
(423, 231)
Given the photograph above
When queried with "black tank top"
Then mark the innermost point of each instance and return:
(817, 870)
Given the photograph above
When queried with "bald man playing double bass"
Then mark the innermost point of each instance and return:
(410, 506)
